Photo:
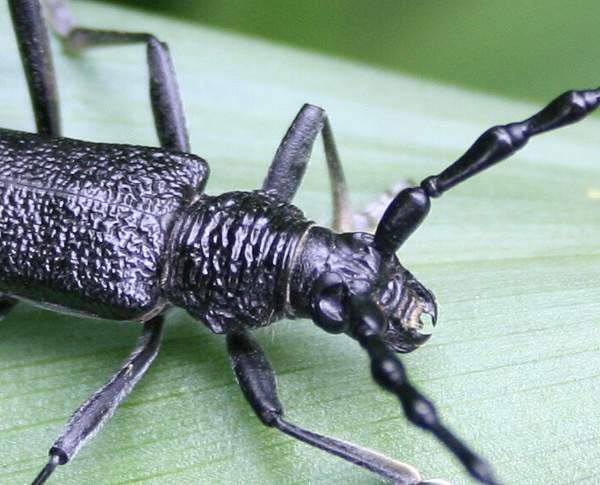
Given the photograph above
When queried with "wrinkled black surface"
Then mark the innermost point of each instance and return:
(121, 232)
(364, 271)
(118, 231)
(84, 226)
(232, 259)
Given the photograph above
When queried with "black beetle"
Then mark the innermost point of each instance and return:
(349, 283)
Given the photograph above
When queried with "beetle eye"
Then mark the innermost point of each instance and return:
(327, 309)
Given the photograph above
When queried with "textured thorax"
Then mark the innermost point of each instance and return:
(231, 259)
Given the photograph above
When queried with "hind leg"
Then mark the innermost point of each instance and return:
(32, 37)
(93, 413)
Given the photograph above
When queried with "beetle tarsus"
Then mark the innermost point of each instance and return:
(53, 462)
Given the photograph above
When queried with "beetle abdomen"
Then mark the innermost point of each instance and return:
(84, 225)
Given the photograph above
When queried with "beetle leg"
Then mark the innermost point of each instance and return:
(93, 413)
(291, 159)
(409, 208)
(169, 117)
(257, 381)
(32, 38)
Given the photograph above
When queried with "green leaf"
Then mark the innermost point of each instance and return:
(512, 256)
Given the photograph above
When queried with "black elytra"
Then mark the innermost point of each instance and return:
(126, 232)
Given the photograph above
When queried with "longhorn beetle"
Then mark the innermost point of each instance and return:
(125, 232)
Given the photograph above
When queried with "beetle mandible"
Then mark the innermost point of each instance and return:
(123, 232)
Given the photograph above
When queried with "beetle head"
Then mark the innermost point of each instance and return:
(342, 267)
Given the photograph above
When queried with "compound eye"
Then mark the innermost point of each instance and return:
(354, 242)
(327, 303)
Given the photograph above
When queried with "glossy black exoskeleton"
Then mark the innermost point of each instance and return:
(124, 232)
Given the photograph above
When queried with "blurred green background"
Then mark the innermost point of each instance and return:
(522, 49)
